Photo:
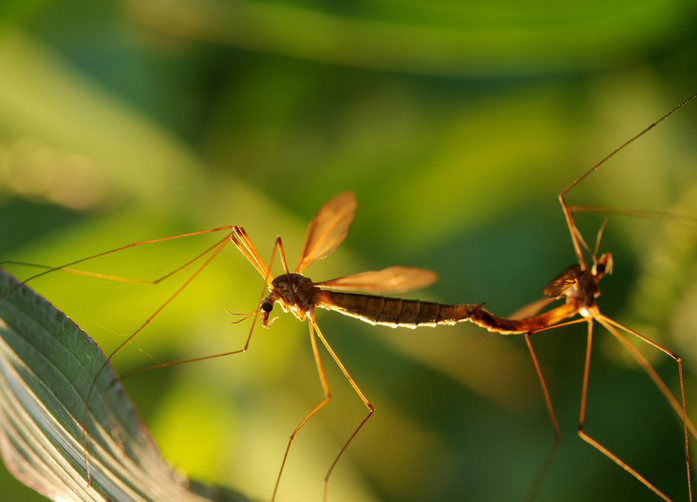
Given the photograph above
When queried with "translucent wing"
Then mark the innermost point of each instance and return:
(531, 309)
(387, 280)
(562, 282)
(327, 229)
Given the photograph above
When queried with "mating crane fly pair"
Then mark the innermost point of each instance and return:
(577, 286)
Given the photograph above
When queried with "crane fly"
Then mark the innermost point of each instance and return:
(299, 295)
(577, 286)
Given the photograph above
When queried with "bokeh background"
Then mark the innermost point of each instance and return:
(456, 124)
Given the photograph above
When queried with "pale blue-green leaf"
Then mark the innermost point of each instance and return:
(47, 365)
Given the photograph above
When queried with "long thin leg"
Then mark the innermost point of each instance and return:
(220, 245)
(643, 362)
(358, 391)
(252, 255)
(314, 329)
(680, 409)
(237, 236)
(568, 212)
(240, 239)
(532, 495)
(215, 249)
(325, 387)
(552, 417)
(246, 248)
(609, 324)
(324, 402)
(66, 267)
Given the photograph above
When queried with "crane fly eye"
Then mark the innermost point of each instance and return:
(266, 307)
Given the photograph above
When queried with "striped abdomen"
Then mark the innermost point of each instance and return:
(394, 312)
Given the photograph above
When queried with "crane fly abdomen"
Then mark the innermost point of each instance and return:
(504, 326)
(394, 312)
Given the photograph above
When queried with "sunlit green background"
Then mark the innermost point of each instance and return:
(456, 124)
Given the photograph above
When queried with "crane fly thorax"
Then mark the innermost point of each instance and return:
(580, 285)
(294, 292)
(583, 294)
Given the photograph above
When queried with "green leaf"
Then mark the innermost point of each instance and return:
(47, 365)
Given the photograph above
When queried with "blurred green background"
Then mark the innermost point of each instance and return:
(456, 124)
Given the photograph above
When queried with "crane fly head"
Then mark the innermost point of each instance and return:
(265, 308)
(602, 266)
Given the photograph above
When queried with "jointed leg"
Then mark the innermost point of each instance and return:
(66, 267)
(614, 327)
(325, 401)
(239, 238)
(314, 330)
(358, 391)
(213, 253)
(609, 324)
(553, 419)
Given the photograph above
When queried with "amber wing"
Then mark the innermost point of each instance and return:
(328, 229)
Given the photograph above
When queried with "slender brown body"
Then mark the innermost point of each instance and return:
(580, 287)
(393, 312)
(504, 326)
